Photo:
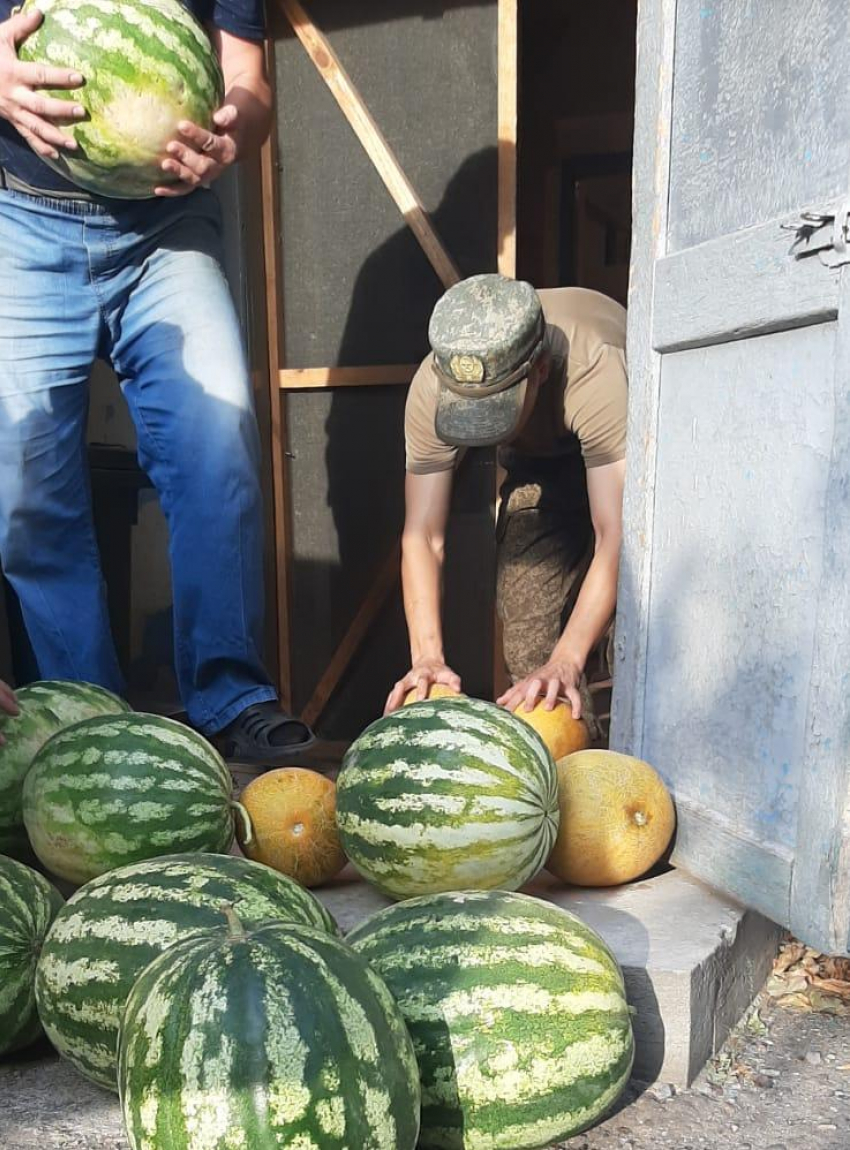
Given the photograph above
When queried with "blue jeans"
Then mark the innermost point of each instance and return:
(140, 285)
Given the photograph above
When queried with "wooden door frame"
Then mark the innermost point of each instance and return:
(656, 38)
(283, 378)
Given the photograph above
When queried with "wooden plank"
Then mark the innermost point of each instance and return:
(698, 301)
(656, 36)
(761, 872)
(301, 378)
(384, 582)
(820, 896)
(508, 96)
(354, 108)
(274, 312)
(508, 106)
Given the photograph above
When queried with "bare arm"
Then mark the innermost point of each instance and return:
(241, 124)
(596, 602)
(427, 503)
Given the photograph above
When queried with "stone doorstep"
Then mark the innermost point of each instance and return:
(693, 960)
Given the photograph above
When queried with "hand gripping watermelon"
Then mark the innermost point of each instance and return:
(147, 64)
(448, 795)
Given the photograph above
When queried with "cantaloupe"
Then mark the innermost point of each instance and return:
(292, 815)
(617, 819)
(437, 691)
(561, 733)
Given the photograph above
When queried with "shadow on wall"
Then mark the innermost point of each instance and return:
(391, 303)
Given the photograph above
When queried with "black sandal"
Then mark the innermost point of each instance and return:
(250, 737)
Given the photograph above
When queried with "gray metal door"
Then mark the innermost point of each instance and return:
(733, 648)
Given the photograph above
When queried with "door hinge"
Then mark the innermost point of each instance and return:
(825, 234)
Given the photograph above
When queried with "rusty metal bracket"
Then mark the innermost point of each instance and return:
(824, 233)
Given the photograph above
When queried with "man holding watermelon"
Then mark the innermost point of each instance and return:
(138, 282)
(543, 375)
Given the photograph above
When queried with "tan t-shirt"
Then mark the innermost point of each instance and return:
(581, 406)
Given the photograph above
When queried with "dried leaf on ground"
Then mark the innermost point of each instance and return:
(805, 980)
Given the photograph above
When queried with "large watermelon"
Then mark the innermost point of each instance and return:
(45, 708)
(446, 795)
(280, 1036)
(148, 64)
(28, 905)
(113, 927)
(517, 1012)
(117, 789)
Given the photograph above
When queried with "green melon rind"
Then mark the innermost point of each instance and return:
(517, 1012)
(120, 788)
(282, 1036)
(46, 707)
(28, 905)
(143, 60)
(448, 794)
(113, 927)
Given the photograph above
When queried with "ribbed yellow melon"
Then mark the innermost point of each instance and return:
(561, 733)
(617, 819)
(437, 691)
(293, 825)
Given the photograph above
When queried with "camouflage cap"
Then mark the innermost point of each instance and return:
(485, 333)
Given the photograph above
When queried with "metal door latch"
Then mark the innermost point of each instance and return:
(825, 234)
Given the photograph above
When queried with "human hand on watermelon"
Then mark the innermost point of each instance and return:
(421, 677)
(35, 115)
(8, 703)
(558, 679)
(201, 155)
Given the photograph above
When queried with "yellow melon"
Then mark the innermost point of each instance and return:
(293, 825)
(561, 733)
(617, 819)
(437, 691)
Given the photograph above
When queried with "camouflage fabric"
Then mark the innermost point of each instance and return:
(483, 329)
(544, 548)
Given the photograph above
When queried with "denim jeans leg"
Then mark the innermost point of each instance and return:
(178, 352)
(48, 341)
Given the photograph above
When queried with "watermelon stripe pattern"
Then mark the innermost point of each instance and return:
(28, 905)
(45, 708)
(114, 926)
(517, 1012)
(148, 64)
(448, 794)
(279, 1037)
(117, 789)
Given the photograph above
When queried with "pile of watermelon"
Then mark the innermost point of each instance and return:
(215, 994)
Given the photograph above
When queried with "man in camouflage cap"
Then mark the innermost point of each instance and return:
(543, 375)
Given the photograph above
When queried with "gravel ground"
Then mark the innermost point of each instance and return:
(782, 1082)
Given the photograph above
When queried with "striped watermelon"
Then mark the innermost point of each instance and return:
(114, 926)
(517, 1012)
(447, 794)
(280, 1036)
(45, 708)
(148, 64)
(28, 905)
(117, 789)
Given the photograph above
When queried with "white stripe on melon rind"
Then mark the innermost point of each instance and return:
(517, 1011)
(116, 924)
(453, 793)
